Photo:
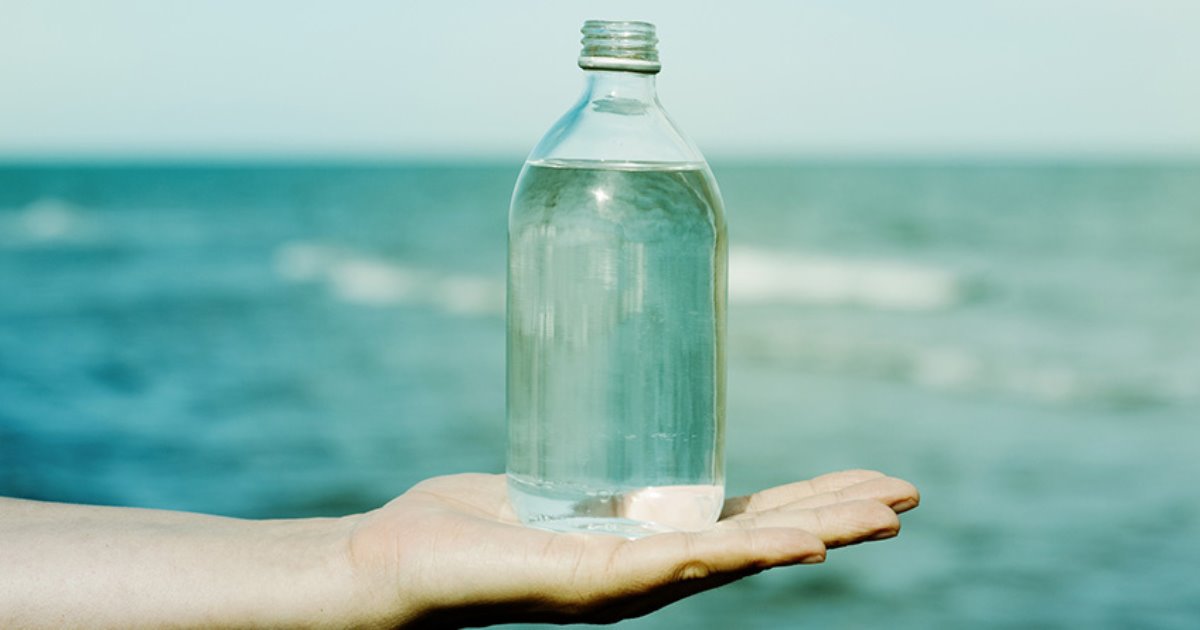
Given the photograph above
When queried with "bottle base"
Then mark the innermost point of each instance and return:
(627, 512)
(622, 527)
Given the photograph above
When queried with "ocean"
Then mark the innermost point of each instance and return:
(1020, 340)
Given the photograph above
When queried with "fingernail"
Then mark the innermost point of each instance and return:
(883, 534)
(816, 558)
(905, 504)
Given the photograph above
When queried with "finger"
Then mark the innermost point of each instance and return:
(646, 574)
(836, 525)
(782, 495)
(897, 494)
(680, 556)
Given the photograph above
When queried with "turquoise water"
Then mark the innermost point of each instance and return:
(1021, 341)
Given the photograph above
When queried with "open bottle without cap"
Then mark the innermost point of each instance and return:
(616, 310)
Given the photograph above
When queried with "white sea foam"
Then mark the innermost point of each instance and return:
(46, 220)
(354, 277)
(1047, 383)
(761, 276)
(957, 369)
(755, 276)
(946, 368)
(300, 261)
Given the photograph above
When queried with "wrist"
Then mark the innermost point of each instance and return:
(383, 593)
(302, 575)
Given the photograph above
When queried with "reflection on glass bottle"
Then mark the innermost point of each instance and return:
(616, 310)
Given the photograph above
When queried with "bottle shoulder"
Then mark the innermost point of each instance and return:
(604, 126)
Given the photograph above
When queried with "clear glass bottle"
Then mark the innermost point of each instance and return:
(616, 310)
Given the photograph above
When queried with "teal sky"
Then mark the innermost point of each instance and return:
(383, 79)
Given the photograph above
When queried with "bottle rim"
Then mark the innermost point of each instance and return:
(630, 46)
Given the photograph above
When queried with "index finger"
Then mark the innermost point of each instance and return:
(772, 498)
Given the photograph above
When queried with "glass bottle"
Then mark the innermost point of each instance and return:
(616, 310)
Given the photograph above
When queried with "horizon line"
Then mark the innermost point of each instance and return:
(497, 158)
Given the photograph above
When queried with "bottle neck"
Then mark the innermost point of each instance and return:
(620, 87)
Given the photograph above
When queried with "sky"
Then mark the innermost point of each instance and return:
(366, 79)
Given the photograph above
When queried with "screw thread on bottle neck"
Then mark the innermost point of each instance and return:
(625, 46)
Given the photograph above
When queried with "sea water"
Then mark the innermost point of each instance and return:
(616, 325)
(158, 349)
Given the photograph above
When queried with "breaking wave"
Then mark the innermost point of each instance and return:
(761, 276)
(755, 277)
(358, 278)
(45, 221)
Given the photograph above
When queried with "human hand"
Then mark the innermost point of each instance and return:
(450, 552)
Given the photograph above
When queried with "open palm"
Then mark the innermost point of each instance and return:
(450, 551)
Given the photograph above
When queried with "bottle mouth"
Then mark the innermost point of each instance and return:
(615, 45)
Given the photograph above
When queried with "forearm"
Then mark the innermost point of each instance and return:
(68, 565)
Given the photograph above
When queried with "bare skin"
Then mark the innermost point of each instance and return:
(447, 553)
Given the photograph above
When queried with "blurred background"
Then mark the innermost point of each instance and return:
(252, 263)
